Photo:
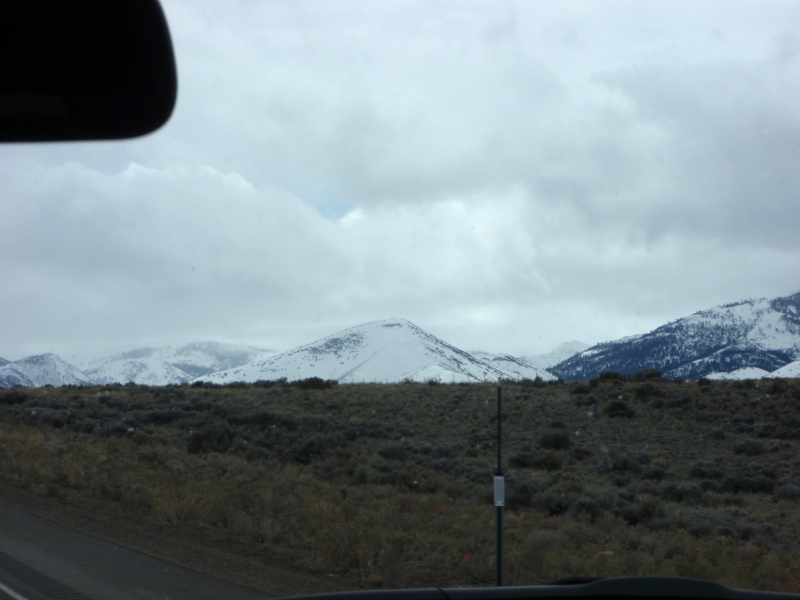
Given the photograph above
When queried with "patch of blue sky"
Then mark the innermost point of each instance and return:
(329, 204)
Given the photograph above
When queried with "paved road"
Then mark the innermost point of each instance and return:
(41, 560)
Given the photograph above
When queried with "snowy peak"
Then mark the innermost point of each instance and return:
(171, 364)
(740, 339)
(41, 370)
(382, 351)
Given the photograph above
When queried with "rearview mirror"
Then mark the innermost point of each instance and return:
(84, 69)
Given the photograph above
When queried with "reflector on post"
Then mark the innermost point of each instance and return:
(499, 491)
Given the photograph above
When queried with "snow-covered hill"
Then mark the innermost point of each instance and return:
(518, 368)
(742, 339)
(171, 364)
(560, 354)
(148, 370)
(790, 371)
(41, 370)
(383, 351)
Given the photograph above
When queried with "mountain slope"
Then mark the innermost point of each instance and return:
(148, 370)
(383, 351)
(753, 334)
(518, 368)
(41, 370)
(792, 370)
(560, 354)
(171, 364)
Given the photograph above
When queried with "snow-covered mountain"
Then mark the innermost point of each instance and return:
(148, 370)
(742, 339)
(41, 370)
(560, 354)
(171, 364)
(518, 368)
(383, 351)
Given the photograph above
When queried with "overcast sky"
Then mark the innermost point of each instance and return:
(507, 175)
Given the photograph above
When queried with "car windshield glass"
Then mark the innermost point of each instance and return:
(277, 329)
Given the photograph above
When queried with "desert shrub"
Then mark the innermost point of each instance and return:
(479, 474)
(435, 464)
(317, 447)
(237, 385)
(751, 483)
(709, 485)
(582, 453)
(661, 524)
(646, 375)
(312, 423)
(681, 401)
(749, 447)
(611, 376)
(705, 469)
(643, 512)
(555, 440)
(84, 425)
(393, 452)
(170, 393)
(547, 461)
(698, 527)
(215, 438)
(520, 494)
(268, 383)
(778, 385)
(442, 451)
(790, 491)
(629, 463)
(314, 383)
(646, 391)
(55, 418)
(689, 493)
(521, 460)
(163, 416)
(654, 473)
(556, 502)
(766, 430)
(619, 408)
(13, 396)
(588, 508)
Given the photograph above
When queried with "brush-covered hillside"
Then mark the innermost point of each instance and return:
(391, 485)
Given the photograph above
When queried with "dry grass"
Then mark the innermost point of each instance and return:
(392, 483)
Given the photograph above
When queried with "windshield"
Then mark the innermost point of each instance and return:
(276, 326)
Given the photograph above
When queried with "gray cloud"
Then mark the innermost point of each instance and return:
(509, 176)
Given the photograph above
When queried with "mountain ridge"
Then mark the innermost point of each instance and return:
(40, 370)
(750, 338)
(165, 365)
(389, 350)
(729, 339)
